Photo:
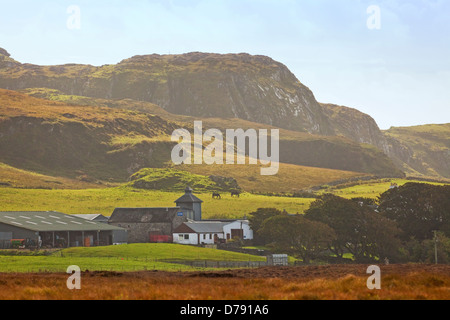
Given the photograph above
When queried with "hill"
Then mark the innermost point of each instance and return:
(419, 151)
(90, 142)
(176, 180)
(422, 151)
(112, 143)
(240, 89)
(18, 178)
(340, 153)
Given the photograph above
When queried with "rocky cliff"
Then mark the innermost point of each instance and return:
(254, 88)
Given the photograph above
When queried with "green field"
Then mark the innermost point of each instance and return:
(130, 257)
(104, 201)
(368, 189)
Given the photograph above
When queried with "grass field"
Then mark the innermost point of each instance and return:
(130, 257)
(368, 189)
(104, 201)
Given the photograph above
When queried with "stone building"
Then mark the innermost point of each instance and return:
(145, 225)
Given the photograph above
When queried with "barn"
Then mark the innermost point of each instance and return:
(148, 224)
(50, 229)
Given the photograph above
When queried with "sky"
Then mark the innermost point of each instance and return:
(387, 58)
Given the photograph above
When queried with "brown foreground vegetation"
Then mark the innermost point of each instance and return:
(331, 282)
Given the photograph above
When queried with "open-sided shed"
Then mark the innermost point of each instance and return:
(56, 229)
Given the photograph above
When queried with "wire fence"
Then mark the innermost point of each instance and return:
(60, 262)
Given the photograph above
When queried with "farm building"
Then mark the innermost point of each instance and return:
(97, 217)
(238, 229)
(211, 231)
(180, 224)
(190, 204)
(157, 224)
(148, 224)
(56, 229)
(195, 232)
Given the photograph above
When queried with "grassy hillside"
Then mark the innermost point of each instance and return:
(176, 180)
(367, 189)
(96, 142)
(295, 147)
(18, 178)
(422, 150)
(290, 178)
(104, 201)
(419, 150)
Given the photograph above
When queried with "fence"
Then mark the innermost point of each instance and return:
(219, 264)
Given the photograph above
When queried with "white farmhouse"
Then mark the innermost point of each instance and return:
(211, 231)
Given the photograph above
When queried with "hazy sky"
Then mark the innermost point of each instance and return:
(388, 58)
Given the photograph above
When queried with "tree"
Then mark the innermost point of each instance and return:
(256, 220)
(359, 229)
(298, 236)
(382, 236)
(339, 214)
(424, 251)
(418, 208)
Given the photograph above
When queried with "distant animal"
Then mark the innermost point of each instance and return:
(235, 193)
(216, 195)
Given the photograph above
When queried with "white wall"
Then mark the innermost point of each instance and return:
(208, 238)
(239, 224)
(193, 238)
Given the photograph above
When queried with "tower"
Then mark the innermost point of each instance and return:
(192, 204)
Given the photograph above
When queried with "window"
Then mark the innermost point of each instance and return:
(210, 236)
(180, 236)
(186, 237)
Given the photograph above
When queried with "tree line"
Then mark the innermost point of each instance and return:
(404, 224)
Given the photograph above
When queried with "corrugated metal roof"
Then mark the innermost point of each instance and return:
(51, 221)
(206, 226)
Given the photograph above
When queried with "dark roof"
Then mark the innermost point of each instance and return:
(188, 197)
(146, 215)
(51, 221)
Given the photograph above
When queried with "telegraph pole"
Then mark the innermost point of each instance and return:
(435, 247)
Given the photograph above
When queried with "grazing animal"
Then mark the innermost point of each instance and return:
(235, 193)
(216, 195)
